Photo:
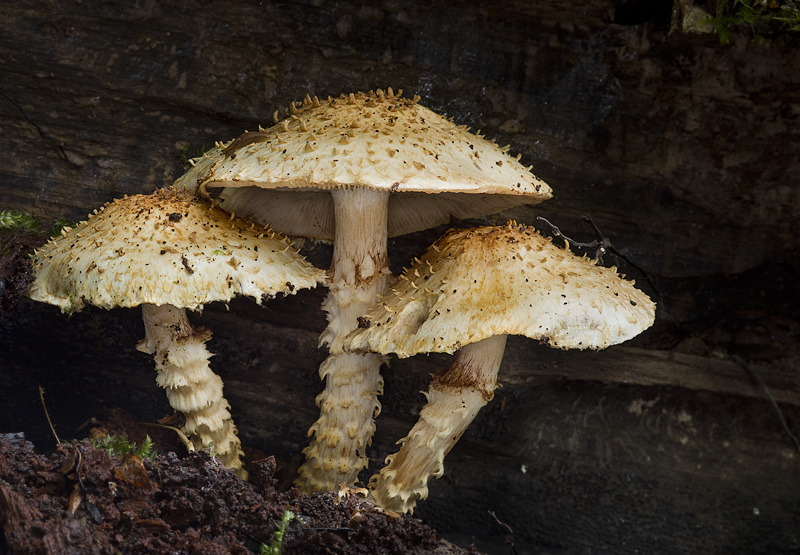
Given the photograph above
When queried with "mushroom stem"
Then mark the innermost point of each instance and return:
(454, 398)
(359, 273)
(192, 387)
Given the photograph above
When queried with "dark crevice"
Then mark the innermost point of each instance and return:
(637, 12)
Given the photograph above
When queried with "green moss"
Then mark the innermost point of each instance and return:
(184, 155)
(119, 446)
(11, 219)
(59, 224)
(16, 221)
(761, 20)
(276, 546)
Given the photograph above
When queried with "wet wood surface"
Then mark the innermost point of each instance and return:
(682, 151)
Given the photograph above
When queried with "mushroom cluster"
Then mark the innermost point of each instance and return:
(169, 252)
(356, 170)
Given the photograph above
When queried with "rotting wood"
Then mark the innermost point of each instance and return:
(652, 367)
(678, 149)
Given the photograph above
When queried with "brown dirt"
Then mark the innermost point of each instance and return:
(106, 504)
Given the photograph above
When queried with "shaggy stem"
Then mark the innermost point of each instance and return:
(358, 275)
(192, 388)
(454, 398)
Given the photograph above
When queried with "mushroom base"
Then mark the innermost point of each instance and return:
(455, 397)
(192, 387)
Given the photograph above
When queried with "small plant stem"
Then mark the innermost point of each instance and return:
(47, 415)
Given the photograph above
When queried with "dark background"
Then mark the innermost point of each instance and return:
(684, 152)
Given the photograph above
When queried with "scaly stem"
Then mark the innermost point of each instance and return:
(359, 274)
(192, 388)
(454, 398)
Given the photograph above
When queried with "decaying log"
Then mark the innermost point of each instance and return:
(683, 152)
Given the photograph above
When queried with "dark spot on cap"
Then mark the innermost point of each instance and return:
(544, 340)
(186, 265)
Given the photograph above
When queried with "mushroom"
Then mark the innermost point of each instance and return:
(169, 252)
(469, 291)
(357, 169)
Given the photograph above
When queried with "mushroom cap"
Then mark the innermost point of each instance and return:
(375, 140)
(476, 283)
(165, 248)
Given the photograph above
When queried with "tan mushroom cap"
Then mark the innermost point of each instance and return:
(165, 248)
(476, 283)
(376, 140)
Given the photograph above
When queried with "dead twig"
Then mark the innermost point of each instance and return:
(71, 470)
(185, 440)
(602, 245)
(510, 538)
(757, 378)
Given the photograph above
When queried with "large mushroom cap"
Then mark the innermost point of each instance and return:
(476, 283)
(165, 248)
(375, 140)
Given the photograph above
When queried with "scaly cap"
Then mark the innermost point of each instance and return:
(375, 140)
(476, 283)
(165, 248)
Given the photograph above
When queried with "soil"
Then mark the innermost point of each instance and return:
(15, 265)
(81, 499)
